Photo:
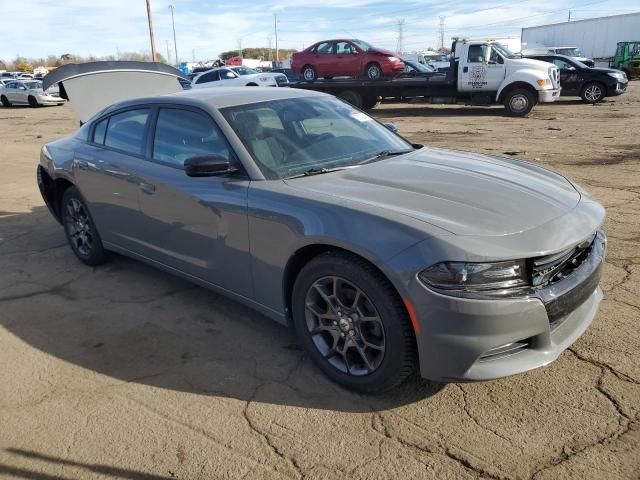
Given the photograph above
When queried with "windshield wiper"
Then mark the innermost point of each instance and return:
(317, 171)
(383, 154)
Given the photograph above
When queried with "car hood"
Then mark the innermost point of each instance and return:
(518, 63)
(382, 51)
(463, 193)
(604, 70)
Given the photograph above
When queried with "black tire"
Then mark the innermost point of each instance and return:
(352, 97)
(398, 358)
(80, 229)
(309, 74)
(32, 101)
(593, 92)
(5, 101)
(252, 85)
(373, 71)
(518, 102)
(370, 101)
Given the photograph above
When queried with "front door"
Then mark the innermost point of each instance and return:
(196, 225)
(105, 169)
(322, 58)
(346, 59)
(569, 75)
(483, 71)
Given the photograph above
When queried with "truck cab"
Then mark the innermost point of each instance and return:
(490, 71)
(626, 57)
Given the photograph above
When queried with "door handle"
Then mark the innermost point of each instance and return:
(465, 69)
(147, 188)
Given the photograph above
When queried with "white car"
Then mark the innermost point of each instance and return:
(27, 92)
(238, 76)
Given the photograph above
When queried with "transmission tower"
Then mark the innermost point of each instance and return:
(399, 42)
(441, 31)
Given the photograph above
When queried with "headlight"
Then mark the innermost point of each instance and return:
(393, 59)
(543, 81)
(618, 75)
(476, 277)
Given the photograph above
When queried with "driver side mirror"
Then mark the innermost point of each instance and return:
(208, 166)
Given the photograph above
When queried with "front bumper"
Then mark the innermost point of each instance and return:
(50, 100)
(618, 89)
(547, 96)
(465, 339)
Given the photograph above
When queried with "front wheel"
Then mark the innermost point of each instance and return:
(592, 92)
(353, 324)
(32, 101)
(81, 231)
(518, 102)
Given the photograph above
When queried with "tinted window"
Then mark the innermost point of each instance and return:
(99, 132)
(226, 74)
(182, 134)
(209, 77)
(562, 65)
(126, 131)
(477, 54)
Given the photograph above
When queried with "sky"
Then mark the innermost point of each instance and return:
(204, 28)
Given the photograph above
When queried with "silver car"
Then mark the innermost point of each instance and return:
(27, 92)
(385, 256)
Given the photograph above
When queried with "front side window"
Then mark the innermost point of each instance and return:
(291, 136)
(226, 74)
(478, 54)
(126, 131)
(362, 45)
(344, 48)
(208, 77)
(182, 134)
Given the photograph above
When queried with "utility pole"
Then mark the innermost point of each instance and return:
(175, 44)
(569, 19)
(239, 40)
(269, 39)
(275, 29)
(399, 41)
(153, 43)
(441, 32)
(168, 56)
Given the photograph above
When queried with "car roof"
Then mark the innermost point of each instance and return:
(221, 97)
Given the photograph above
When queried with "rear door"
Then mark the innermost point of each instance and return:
(105, 172)
(196, 225)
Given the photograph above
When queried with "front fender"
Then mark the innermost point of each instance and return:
(528, 76)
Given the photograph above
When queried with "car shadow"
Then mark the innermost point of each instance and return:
(45, 461)
(428, 110)
(134, 323)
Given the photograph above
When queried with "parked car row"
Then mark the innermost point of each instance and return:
(28, 92)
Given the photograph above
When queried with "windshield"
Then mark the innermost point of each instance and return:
(440, 57)
(244, 70)
(411, 66)
(362, 45)
(504, 51)
(292, 136)
(570, 52)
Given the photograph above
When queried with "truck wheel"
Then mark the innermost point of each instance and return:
(592, 92)
(309, 73)
(370, 101)
(519, 102)
(373, 71)
(352, 97)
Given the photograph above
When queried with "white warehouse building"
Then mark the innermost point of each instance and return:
(596, 37)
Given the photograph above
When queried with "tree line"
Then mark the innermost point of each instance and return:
(23, 64)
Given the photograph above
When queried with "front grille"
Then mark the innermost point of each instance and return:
(552, 268)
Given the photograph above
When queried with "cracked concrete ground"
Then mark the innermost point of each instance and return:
(126, 372)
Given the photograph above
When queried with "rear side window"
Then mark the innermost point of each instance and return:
(100, 131)
(182, 134)
(209, 77)
(126, 130)
(324, 47)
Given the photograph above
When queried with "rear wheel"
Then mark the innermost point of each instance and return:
(592, 92)
(353, 323)
(352, 97)
(32, 101)
(370, 101)
(518, 102)
(5, 101)
(81, 232)
(309, 73)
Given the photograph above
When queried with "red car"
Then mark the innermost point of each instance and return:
(353, 58)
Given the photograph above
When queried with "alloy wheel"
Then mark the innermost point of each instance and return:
(78, 227)
(345, 326)
(593, 93)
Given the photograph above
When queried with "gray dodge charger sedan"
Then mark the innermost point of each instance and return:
(385, 256)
